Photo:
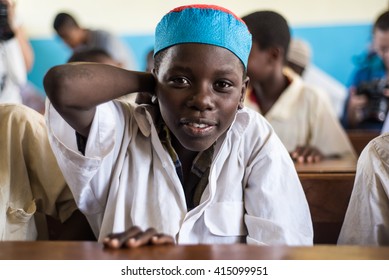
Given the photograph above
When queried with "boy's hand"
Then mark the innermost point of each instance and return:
(306, 154)
(135, 237)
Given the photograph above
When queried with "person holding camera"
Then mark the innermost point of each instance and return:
(367, 104)
(17, 56)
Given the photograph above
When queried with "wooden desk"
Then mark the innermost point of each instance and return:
(55, 250)
(360, 138)
(327, 186)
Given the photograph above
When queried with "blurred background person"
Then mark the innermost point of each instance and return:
(79, 38)
(17, 56)
(367, 105)
(299, 58)
(300, 114)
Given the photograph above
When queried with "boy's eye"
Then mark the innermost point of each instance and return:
(180, 81)
(222, 85)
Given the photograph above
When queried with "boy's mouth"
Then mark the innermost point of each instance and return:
(199, 127)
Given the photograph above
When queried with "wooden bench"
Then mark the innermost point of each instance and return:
(360, 138)
(327, 186)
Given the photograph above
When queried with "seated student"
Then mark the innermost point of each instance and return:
(301, 115)
(367, 105)
(30, 180)
(193, 167)
(79, 38)
(367, 217)
(299, 59)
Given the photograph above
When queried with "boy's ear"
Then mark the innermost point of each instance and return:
(245, 86)
(276, 53)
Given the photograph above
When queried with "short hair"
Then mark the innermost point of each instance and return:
(268, 29)
(382, 22)
(62, 19)
(88, 55)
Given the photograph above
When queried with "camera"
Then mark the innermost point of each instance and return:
(6, 32)
(377, 106)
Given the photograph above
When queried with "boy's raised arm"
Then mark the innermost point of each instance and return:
(76, 89)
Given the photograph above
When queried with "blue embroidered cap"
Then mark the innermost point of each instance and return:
(205, 24)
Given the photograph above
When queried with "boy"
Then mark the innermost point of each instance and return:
(195, 165)
(301, 115)
(299, 59)
(79, 38)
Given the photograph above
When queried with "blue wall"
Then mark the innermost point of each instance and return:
(333, 49)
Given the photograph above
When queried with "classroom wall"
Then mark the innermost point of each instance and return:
(337, 30)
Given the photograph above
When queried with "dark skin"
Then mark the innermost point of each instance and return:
(265, 70)
(199, 89)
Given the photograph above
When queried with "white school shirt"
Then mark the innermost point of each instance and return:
(367, 217)
(13, 73)
(127, 178)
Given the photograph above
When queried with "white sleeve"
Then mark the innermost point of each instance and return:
(385, 127)
(367, 218)
(88, 176)
(15, 62)
(277, 211)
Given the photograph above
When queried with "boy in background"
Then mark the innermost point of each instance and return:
(79, 38)
(301, 115)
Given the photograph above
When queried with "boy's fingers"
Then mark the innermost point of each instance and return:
(116, 240)
(161, 239)
(141, 238)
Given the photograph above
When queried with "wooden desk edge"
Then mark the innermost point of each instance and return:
(46, 250)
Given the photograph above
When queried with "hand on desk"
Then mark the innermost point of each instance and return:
(306, 154)
(135, 237)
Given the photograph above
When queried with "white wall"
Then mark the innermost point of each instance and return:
(141, 16)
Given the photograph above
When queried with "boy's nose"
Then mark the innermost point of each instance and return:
(201, 99)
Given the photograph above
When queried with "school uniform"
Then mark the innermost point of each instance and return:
(303, 115)
(128, 178)
(367, 217)
(30, 180)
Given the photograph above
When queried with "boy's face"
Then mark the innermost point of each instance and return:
(71, 35)
(381, 45)
(200, 88)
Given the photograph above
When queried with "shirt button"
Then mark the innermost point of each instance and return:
(164, 164)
